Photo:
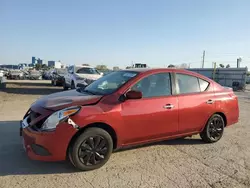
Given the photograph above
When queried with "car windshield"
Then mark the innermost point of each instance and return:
(110, 83)
(86, 70)
(60, 71)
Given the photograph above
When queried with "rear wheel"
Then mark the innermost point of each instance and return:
(72, 85)
(91, 150)
(214, 129)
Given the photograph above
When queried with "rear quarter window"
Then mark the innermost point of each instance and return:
(187, 84)
(203, 84)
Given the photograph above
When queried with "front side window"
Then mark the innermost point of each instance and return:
(187, 83)
(110, 83)
(155, 85)
(87, 70)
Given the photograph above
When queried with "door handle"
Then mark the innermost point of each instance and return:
(168, 106)
(210, 101)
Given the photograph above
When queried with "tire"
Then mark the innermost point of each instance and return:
(213, 130)
(86, 157)
(72, 85)
(65, 87)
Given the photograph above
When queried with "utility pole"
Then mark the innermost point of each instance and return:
(203, 59)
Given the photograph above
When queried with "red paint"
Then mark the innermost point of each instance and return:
(135, 121)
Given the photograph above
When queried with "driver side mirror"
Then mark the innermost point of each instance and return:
(133, 94)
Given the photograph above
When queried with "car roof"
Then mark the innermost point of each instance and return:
(158, 69)
(176, 70)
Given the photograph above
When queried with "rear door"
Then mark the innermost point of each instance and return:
(196, 102)
(155, 115)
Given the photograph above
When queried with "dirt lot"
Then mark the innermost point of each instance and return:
(177, 163)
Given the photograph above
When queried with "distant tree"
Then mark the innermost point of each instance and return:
(171, 66)
(102, 67)
(228, 66)
(221, 65)
(38, 66)
(183, 65)
(116, 68)
(44, 66)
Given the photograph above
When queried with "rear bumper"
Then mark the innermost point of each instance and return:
(48, 146)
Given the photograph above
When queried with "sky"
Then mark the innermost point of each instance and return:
(117, 33)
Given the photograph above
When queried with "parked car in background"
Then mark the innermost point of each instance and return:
(126, 108)
(35, 75)
(15, 74)
(57, 77)
(1, 73)
(80, 76)
(248, 80)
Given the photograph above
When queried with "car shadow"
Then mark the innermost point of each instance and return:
(14, 160)
(177, 141)
(31, 91)
(30, 82)
(30, 88)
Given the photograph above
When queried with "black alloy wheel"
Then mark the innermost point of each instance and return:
(91, 150)
(214, 129)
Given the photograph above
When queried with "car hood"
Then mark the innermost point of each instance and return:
(60, 100)
(89, 76)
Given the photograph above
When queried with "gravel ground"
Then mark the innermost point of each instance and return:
(176, 163)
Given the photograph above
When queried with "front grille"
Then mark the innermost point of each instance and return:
(34, 115)
(39, 124)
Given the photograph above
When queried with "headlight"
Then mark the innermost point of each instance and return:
(54, 119)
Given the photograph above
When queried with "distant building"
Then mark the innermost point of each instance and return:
(34, 61)
(55, 64)
(42, 62)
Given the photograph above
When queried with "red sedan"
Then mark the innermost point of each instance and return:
(126, 108)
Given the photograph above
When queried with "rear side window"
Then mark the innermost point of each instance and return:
(187, 84)
(203, 84)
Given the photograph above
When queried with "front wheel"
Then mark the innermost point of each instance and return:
(65, 87)
(214, 129)
(91, 150)
(72, 85)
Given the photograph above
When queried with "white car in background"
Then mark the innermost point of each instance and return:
(1, 73)
(80, 76)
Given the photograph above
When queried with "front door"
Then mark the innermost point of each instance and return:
(155, 115)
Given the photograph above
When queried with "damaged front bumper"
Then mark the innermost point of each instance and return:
(48, 146)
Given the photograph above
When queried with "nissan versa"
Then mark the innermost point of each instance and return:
(126, 108)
